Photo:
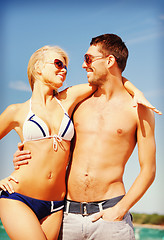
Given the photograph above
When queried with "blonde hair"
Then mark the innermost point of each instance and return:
(39, 56)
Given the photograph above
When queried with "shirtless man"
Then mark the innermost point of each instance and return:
(107, 129)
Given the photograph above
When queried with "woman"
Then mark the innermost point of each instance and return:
(45, 127)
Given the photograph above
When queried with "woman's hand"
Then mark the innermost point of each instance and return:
(5, 184)
(139, 98)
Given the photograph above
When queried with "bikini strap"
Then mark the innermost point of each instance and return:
(61, 105)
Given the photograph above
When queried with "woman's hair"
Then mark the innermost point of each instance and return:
(39, 56)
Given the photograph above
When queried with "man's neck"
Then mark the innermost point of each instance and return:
(110, 88)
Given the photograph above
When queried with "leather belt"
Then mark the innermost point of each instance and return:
(87, 208)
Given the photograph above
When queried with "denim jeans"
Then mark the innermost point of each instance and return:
(79, 227)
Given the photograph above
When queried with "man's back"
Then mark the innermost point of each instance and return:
(105, 138)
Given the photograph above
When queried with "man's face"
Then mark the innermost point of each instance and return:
(96, 66)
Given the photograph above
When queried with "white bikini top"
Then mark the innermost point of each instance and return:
(34, 128)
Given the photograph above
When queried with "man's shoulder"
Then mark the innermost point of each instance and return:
(143, 110)
(145, 115)
(85, 102)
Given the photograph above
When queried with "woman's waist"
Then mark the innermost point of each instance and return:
(45, 171)
(49, 186)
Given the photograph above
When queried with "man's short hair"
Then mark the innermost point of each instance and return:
(111, 44)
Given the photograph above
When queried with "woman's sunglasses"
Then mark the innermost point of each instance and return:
(59, 64)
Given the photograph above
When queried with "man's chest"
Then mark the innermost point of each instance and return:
(109, 119)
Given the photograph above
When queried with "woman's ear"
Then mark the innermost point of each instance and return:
(38, 67)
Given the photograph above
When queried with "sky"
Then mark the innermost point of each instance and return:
(27, 26)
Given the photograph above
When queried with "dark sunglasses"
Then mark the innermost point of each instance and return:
(89, 58)
(59, 64)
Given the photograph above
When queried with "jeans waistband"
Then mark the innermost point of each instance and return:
(87, 208)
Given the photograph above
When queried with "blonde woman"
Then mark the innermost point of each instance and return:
(32, 206)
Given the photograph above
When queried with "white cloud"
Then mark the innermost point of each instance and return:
(19, 85)
(22, 86)
(143, 38)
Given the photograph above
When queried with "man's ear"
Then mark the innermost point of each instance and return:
(111, 60)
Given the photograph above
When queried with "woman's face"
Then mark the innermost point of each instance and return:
(54, 70)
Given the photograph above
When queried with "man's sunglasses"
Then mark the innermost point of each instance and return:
(89, 58)
(59, 64)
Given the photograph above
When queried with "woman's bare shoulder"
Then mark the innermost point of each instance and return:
(15, 107)
(16, 111)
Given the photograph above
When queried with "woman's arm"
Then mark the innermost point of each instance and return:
(7, 120)
(7, 123)
(139, 97)
(75, 94)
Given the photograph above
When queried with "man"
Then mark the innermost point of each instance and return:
(107, 129)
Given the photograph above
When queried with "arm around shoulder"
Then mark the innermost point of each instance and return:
(77, 93)
(138, 96)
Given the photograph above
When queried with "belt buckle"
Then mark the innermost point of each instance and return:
(83, 208)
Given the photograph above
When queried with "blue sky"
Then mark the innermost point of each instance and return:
(27, 26)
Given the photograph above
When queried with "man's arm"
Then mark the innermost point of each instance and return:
(147, 161)
(147, 158)
(21, 157)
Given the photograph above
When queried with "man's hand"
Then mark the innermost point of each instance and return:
(21, 156)
(109, 214)
(139, 98)
(5, 184)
